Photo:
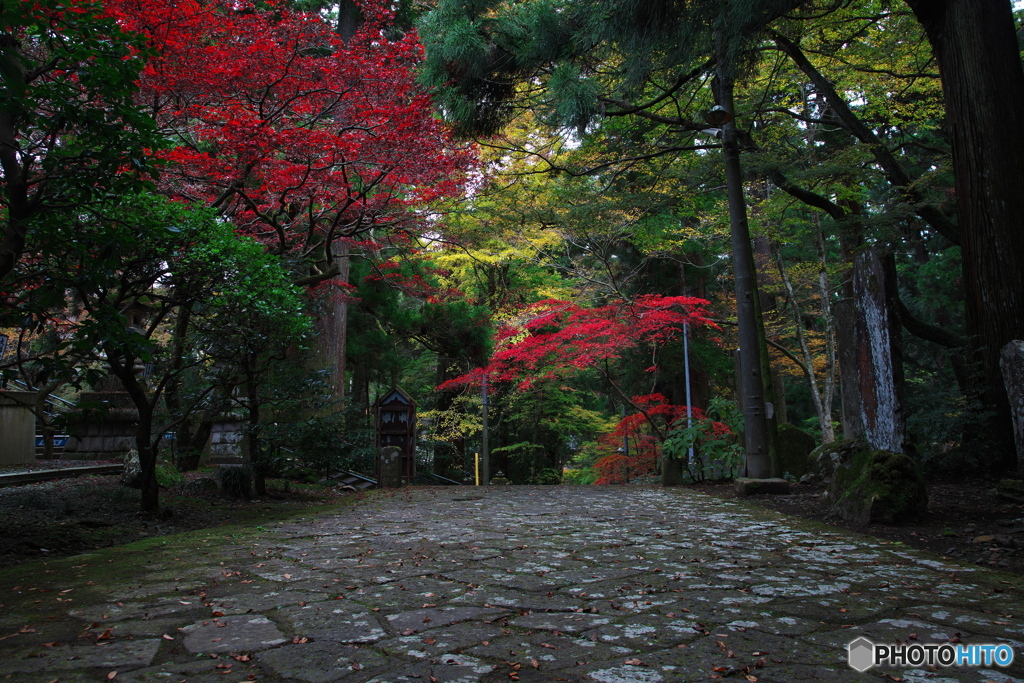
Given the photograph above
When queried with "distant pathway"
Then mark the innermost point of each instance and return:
(438, 585)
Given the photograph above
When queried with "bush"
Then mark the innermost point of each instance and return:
(235, 481)
(168, 476)
(583, 476)
(548, 476)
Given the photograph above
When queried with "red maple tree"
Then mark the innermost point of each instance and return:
(552, 338)
(299, 138)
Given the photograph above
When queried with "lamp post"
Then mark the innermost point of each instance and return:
(485, 453)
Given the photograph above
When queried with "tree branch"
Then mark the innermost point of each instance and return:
(894, 171)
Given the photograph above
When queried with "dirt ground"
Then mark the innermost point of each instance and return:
(72, 516)
(966, 521)
(65, 517)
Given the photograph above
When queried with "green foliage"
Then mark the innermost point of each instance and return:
(581, 477)
(168, 476)
(67, 96)
(713, 437)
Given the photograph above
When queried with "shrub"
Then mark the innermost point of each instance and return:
(235, 481)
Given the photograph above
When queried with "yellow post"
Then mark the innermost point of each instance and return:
(476, 457)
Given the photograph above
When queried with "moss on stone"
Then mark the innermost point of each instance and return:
(877, 486)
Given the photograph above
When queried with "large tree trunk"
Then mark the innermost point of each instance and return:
(879, 351)
(334, 324)
(983, 83)
(759, 426)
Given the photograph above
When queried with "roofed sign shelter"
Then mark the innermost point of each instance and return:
(395, 421)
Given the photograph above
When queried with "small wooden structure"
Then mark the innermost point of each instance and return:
(395, 422)
(17, 427)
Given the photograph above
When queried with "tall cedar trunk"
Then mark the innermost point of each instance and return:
(879, 350)
(759, 426)
(334, 325)
(849, 376)
(983, 84)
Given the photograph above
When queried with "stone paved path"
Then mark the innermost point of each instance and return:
(513, 583)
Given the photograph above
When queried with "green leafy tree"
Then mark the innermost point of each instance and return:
(71, 132)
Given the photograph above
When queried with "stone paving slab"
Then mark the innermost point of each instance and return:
(457, 585)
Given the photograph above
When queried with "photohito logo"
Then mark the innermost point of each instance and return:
(863, 654)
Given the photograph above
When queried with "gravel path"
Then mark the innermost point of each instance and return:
(601, 584)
